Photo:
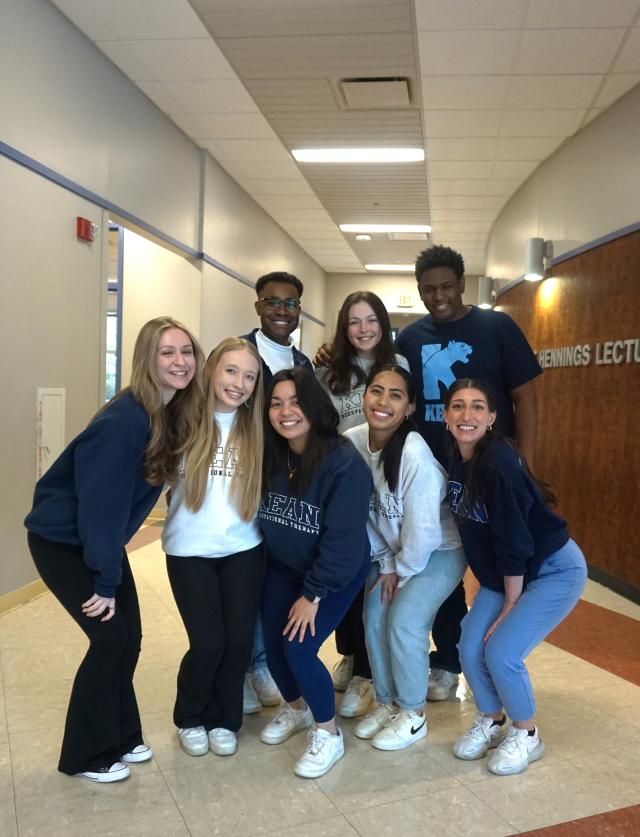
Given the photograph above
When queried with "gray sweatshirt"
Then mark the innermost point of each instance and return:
(406, 526)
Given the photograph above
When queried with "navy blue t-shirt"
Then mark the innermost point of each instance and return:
(510, 530)
(483, 344)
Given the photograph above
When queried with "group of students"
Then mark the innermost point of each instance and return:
(312, 503)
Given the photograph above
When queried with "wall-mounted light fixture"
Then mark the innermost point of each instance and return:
(485, 292)
(536, 252)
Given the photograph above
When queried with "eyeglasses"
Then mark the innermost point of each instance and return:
(275, 302)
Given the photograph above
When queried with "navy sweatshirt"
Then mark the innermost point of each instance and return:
(94, 495)
(511, 531)
(320, 539)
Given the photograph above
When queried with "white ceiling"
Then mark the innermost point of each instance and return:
(496, 86)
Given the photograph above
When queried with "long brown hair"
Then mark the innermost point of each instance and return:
(344, 365)
(473, 491)
(246, 437)
(173, 425)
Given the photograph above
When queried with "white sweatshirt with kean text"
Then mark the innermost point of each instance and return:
(405, 526)
(216, 530)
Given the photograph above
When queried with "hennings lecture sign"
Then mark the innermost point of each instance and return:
(584, 354)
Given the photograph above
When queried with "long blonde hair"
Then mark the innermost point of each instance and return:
(246, 437)
(174, 425)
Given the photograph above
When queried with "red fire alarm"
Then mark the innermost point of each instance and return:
(86, 229)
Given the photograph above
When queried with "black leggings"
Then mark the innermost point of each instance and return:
(103, 721)
(218, 600)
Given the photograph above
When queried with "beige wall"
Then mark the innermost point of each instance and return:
(587, 189)
(155, 282)
(52, 303)
(389, 287)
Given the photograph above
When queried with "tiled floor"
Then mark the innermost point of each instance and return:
(588, 783)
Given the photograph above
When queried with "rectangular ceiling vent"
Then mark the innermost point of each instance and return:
(376, 93)
(408, 236)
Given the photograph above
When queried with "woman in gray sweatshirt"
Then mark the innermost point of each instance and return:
(417, 559)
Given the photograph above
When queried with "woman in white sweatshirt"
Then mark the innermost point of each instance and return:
(417, 559)
(215, 557)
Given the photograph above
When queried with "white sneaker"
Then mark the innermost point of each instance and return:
(441, 683)
(194, 741)
(402, 730)
(342, 673)
(250, 700)
(376, 720)
(138, 754)
(481, 737)
(357, 697)
(285, 723)
(516, 752)
(115, 773)
(265, 687)
(222, 741)
(323, 751)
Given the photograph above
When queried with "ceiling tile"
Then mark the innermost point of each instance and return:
(188, 123)
(149, 18)
(616, 85)
(212, 96)
(462, 123)
(444, 215)
(540, 123)
(252, 169)
(466, 53)
(469, 14)
(248, 149)
(460, 149)
(296, 215)
(278, 187)
(468, 170)
(526, 148)
(513, 169)
(629, 59)
(289, 201)
(591, 114)
(187, 59)
(159, 95)
(567, 50)
(458, 187)
(552, 14)
(503, 188)
(457, 202)
(495, 201)
(460, 226)
(464, 93)
(545, 92)
(234, 126)
(119, 53)
(88, 20)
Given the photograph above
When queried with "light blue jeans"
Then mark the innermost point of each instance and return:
(495, 670)
(397, 635)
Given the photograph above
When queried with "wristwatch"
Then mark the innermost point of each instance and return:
(312, 599)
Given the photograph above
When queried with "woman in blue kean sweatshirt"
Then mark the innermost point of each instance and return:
(531, 575)
(86, 507)
(313, 515)
(417, 559)
(215, 558)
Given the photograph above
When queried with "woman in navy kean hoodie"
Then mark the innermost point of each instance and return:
(313, 514)
(87, 506)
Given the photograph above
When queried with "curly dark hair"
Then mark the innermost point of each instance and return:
(439, 256)
(279, 276)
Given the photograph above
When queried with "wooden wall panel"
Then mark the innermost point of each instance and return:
(588, 442)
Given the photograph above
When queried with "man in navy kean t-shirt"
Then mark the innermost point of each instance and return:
(461, 341)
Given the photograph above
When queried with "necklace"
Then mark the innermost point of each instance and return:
(289, 468)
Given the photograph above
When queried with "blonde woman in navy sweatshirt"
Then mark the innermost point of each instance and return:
(313, 515)
(531, 575)
(87, 506)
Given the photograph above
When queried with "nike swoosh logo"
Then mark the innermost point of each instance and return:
(413, 731)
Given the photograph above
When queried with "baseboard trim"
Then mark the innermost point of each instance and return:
(21, 596)
(622, 588)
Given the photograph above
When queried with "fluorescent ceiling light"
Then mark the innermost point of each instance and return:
(385, 228)
(393, 268)
(363, 238)
(358, 155)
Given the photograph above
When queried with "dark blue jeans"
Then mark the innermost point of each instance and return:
(295, 665)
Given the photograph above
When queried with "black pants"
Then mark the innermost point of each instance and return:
(350, 638)
(446, 632)
(103, 721)
(218, 600)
